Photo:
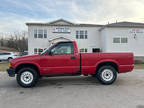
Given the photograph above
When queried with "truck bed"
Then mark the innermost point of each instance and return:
(90, 61)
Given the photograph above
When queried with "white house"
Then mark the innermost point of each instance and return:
(115, 37)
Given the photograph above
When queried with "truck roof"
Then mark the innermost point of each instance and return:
(65, 41)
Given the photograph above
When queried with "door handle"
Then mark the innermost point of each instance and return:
(73, 57)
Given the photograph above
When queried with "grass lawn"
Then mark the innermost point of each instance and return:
(4, 66)
(139, 66)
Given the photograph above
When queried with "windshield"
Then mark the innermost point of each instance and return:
(46, 49)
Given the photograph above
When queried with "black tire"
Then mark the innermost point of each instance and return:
(34, 79)
(106, 75)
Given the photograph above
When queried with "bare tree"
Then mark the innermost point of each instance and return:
(16, 40)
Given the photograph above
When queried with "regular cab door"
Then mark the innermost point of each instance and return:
(61, 60)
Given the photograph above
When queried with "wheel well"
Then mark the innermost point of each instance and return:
(108, 63)
(26, 65)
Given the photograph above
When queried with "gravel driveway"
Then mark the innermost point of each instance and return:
(74, 92)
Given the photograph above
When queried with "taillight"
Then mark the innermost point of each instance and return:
(15, 55)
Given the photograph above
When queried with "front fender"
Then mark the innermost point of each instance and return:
(27, 62)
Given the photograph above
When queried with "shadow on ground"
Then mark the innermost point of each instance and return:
(61, 82)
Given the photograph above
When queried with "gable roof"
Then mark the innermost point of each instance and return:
(62, 22)
(125, 24)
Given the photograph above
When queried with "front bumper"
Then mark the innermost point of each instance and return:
(11, 72)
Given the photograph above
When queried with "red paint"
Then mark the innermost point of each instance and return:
(63, 64)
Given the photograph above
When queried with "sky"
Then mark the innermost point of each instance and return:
(15, 13)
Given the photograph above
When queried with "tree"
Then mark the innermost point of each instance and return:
(16, 40)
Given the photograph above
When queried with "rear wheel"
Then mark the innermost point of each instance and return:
(27, 77)
(107, 75)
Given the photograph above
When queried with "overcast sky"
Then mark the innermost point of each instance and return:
(15, 13)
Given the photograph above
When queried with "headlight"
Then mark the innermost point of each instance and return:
(9, 64)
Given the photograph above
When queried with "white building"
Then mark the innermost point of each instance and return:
(115, 37)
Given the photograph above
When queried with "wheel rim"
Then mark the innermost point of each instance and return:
(26, 77)
(107, 75)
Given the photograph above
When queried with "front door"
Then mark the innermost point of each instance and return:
(61, 60)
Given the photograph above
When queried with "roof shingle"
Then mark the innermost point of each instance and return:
(125, 24)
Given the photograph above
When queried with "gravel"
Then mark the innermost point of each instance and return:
(74, 92)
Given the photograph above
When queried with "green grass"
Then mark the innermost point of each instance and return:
(4, 66)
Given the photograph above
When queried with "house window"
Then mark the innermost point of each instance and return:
(35, 33)
(40, 33)
(120, 40)
(124, 40)
(40, 50)
(95, 50)
(45, 33)
(83, 50)
(77, 34)
(35, 50)
(116, 40)
(86, 34)
(81, 34)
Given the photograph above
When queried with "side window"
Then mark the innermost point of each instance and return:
(6, 53)
(62, 48)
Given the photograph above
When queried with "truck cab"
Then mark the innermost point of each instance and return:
(62, 58)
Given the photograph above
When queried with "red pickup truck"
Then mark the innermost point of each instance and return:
(63, 59)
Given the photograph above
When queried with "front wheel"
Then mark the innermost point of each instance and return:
(27, 77)
(106, 75)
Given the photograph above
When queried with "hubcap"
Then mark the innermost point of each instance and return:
(26, 77)
(107, 74)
